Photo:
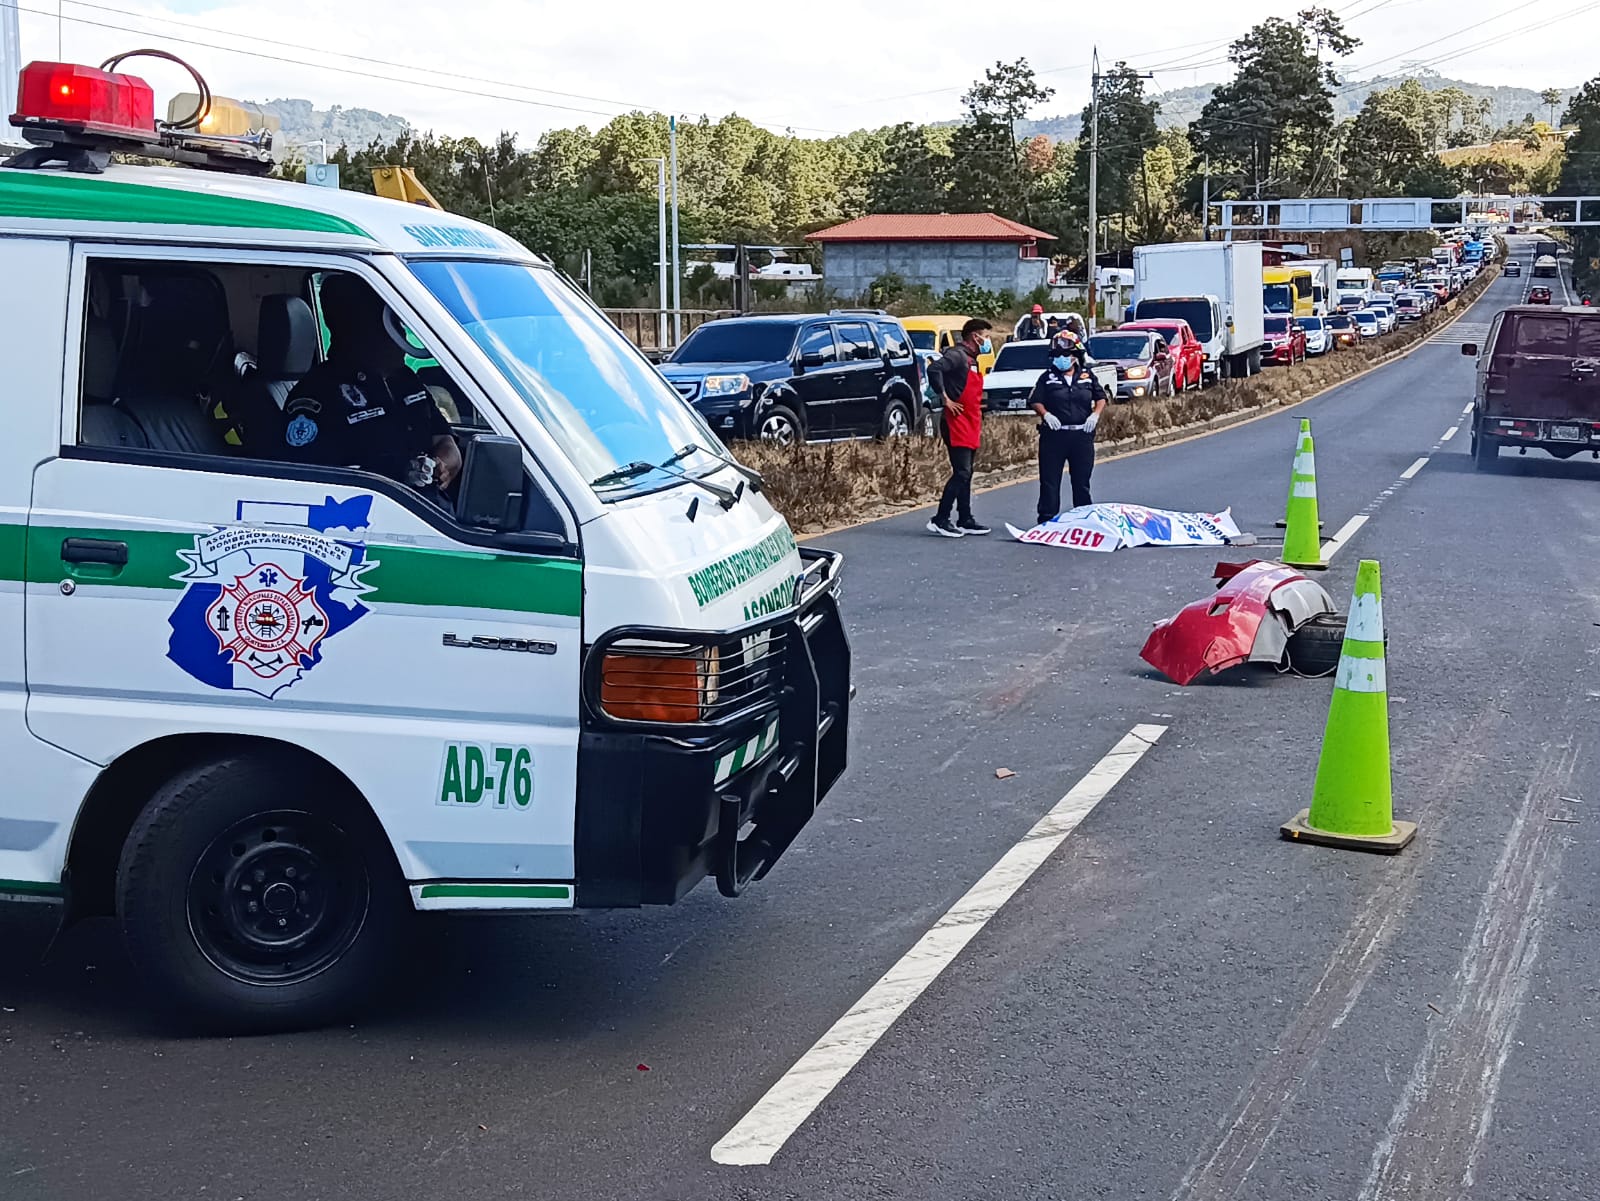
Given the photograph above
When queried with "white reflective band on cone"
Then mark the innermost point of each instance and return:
(1305, 463)
(1361, 675)
(1366, 619)
(1306, 488)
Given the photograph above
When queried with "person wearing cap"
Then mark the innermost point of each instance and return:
(363, 406)
(1032, 327)
(1069, 401)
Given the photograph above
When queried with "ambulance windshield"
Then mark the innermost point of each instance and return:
(609, 410)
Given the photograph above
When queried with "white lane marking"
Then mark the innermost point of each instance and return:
(762, 1132)
(1344, 534)
(1450, 433)
(1466, 410)
(1410, 472)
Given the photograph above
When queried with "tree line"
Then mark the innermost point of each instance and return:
(589, 197)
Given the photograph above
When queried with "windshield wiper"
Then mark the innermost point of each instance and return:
(626, 472)
(726, 497)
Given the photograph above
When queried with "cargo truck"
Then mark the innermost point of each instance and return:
(1324, 283)
(1216, 287)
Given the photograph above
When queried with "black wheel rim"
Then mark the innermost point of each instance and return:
(278, 897)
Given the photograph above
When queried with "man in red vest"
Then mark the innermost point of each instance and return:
(958, 380)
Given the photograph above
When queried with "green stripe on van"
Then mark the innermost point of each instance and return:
(496, 892)
(401, 575)
(50, 197)
(13, 538)
(30, 888)
(413, 576)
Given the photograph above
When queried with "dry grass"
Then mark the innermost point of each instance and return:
(820, 486)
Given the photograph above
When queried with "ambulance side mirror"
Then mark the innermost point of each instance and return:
(1470, 349)
(491, 494)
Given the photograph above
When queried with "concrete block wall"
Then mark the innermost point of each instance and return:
(849, 268)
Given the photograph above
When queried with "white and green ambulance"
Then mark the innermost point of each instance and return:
(260, 711)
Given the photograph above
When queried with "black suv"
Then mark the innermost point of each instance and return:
(789, 377)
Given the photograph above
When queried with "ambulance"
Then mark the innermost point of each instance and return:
(261, 711)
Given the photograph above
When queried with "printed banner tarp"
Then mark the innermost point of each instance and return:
(1109, 527)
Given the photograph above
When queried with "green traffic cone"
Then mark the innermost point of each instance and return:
(1302, 546)
(1352, 803)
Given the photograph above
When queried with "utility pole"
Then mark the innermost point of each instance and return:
(1094, 183)
(661, 253)
(1094, 186)
(677, 267)
(1205, 201)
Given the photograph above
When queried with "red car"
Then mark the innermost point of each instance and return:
(1538, 295)
(1286, 341)
(1188, 356)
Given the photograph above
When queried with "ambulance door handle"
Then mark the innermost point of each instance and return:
(94, 550)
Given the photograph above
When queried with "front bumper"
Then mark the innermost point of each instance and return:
(661, 807)
(730, 416)
(1135, 389)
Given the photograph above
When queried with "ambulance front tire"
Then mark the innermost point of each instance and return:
(247, 908)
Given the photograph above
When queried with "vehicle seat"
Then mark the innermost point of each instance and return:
(179, 340)
(103, 421)
(286, 346)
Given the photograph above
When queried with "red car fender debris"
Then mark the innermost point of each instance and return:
(1249, 618)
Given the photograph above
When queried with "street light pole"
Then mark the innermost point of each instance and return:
(1094, 186)
(661, 253)
(677, 267)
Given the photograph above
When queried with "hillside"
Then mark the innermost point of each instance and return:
(1181, 106)
(353, 127)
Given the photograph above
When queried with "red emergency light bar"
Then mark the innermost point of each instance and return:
(70, 96)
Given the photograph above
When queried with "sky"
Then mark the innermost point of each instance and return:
(823, 67)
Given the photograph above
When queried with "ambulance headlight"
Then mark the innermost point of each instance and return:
(725, 385)
(653, 682)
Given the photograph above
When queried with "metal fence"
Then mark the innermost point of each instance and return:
(642, 327)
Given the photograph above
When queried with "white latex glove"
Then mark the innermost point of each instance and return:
(1094, 420)
(1051, 421)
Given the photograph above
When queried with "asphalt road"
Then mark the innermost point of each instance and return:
(1177, 1005)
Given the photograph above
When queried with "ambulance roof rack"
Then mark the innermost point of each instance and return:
(80, 116)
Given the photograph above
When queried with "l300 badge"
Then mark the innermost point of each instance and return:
(480, 642)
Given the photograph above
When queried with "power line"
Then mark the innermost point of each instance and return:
(1448, 37)
(622, 105)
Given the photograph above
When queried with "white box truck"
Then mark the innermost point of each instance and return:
(1215, 287)
(1324, 283)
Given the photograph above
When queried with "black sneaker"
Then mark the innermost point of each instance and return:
(969, 525)
(944, 527)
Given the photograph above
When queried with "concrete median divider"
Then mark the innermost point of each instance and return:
(822, 487)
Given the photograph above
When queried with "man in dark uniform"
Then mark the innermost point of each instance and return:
(1069, 401)
(363, 407)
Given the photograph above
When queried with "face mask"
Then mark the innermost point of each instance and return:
(986, 347)
(1061, 362)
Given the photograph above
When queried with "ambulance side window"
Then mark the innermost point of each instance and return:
(212, 359)
(451, 400)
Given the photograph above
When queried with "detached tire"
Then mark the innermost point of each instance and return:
(249, 906)
(1314, 648)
